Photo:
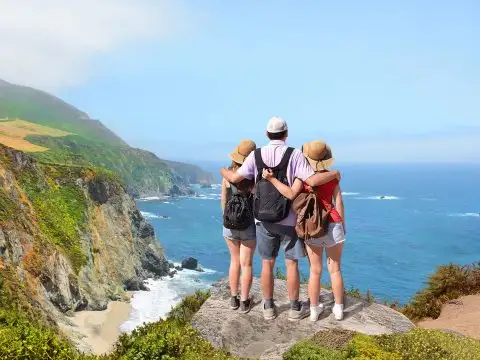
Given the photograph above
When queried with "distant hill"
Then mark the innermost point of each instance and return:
(69, 136)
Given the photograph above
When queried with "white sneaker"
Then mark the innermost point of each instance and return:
(316, 311)
(337, 311)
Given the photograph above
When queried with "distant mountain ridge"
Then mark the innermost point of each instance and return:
(91, 143)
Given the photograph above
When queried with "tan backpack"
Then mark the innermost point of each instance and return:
(312, 216)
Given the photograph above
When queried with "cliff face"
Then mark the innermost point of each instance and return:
(73, 236)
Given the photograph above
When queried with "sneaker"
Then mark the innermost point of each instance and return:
(337, 311)
(295, 315)
(270, 313)
(316, 311)
(234, 302)
(246, 306)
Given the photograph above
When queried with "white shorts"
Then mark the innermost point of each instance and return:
(335, 236)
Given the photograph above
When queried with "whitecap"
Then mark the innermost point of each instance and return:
(149, 215)
(346, 193)
(469, 214)
(379, 197)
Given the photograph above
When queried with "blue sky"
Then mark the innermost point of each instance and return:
(381, 81)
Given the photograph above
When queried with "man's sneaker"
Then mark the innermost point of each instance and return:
(234, 302)
(270, 313)
(295, 315)
(315, 312)
(337, 311)
(246, 306)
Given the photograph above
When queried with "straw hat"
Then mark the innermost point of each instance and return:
(318, 154)
(240, 153)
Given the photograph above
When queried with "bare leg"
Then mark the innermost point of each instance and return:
(293, 279)
(267, 278)
(334, 255)
(315, 255)
(234, 272)
(247, 248)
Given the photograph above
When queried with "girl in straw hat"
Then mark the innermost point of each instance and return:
(319, 155)
(241, 243)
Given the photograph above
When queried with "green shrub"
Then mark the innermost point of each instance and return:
(309, 350)
(188, 306)
(7, 206)
(163, 340)
(24, 334)
(418, 344)
(447, 283)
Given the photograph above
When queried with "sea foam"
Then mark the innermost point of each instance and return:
(153, 305)
(468, 214)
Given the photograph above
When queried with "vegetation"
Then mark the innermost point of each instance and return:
(417, 344)
(449, 282)
(24, 334)
(7, 206)
(60, 206)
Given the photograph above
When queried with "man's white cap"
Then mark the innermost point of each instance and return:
(276, 125)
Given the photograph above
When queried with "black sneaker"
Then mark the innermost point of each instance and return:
(246, 306)
(234, 302)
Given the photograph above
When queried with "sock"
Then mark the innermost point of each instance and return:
(268, 303)
(295, 305)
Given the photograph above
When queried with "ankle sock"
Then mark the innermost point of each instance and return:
(268, 303)
(295, 305)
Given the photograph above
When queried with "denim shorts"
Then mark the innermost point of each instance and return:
(270, 237)
(335, 236)
(240, 235)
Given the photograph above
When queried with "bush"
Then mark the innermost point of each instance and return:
(188, 306)
(447, 283)
(417, 344)
(24, 334)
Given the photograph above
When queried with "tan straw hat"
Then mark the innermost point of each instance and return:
(318, 154)
(240, 153)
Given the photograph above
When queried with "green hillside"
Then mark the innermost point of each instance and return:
(91, 143)
(39, 107)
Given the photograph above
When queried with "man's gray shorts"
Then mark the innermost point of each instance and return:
(270, 237)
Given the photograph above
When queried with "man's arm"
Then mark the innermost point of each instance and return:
(323, 178)
(233, 177)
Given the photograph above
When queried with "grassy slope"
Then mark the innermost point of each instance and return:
(91, 144)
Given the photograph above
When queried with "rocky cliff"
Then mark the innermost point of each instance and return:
(72, 235)
(250, 336)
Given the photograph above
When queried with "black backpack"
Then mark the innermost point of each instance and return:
(268, 204)
(237, 214)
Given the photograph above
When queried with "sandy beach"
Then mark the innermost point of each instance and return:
(462, 315)
(102, 328)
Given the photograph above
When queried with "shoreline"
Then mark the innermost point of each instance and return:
(101, 329)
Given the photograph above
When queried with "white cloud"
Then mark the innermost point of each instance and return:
(50, 43)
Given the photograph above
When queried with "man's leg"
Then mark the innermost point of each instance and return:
(294, 250)
(268, 245)
(293, 279)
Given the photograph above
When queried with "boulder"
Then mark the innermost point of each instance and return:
(190, 263)
(250, 336)
(135, 284)
(172, 273)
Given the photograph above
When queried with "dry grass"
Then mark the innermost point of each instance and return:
(13, 133)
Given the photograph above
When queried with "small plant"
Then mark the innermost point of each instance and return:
(279, 274)
(447, 283)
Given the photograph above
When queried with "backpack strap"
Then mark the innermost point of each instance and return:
(285, 159)
(259, 163)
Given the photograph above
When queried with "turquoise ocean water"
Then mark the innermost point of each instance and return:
(429, 216)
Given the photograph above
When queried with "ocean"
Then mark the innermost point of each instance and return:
(402, 221)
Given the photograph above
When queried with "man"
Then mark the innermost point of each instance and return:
(270, 236)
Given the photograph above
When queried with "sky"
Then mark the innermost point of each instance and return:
(380, 81)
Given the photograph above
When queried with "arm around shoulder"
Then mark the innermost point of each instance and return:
(323, 178)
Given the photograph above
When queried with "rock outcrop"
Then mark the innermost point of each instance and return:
(72, 235)
(250, 336)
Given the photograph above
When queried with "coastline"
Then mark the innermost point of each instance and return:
(101, 329)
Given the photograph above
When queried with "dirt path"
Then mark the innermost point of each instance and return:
(462, 315)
